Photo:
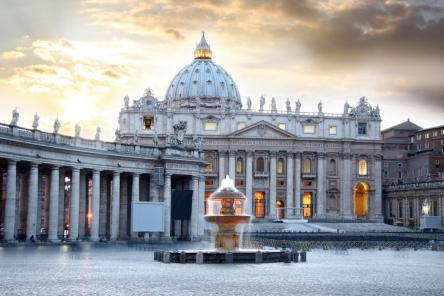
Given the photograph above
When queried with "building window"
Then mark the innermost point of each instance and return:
(418, 137)
(240, 125)
(209, 182)
(332, 130)
(410, 208)
(412, 139)
(282, 126)
(210, 125)
(239, 166)
(280, 183)
(280, 166)
(210, 165)
(435, 208)
(307, 166)
(442, 132)
(259, 202)
(309, 128)
(239, 182)
(332, 167)
(400, 209)
(148, 122)
(362, 167)
(260, 165)
(426, 135)
(362, 128)
(435, 133)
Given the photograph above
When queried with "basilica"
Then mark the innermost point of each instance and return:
(314, 166)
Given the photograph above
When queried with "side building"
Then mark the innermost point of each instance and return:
(413, 173)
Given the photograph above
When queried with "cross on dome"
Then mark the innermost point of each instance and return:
(203, 50)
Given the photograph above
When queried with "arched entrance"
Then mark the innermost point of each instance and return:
(361, 198)
(280, 209)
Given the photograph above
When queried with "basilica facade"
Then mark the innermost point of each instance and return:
(290, 164)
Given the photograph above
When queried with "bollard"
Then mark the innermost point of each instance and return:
(199, 258)
(287, 256)
(228, 257)
(258, 257)
(303, 256)
(295, 256)
(166, 257)
(183, 257)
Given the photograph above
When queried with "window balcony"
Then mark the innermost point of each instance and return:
(310, 175)
(261, 174)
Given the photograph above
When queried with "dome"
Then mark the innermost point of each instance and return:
(203, 84)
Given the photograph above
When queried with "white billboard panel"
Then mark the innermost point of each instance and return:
(147, 216)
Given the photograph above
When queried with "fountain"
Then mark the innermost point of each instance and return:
(226, 208)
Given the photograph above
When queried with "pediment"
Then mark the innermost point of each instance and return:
(262, 129)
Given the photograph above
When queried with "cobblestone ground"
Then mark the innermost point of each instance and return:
(132, 271)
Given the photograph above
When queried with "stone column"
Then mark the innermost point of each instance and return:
(61, 218)
(167, 203)
(320, 178)
(232, 165)
(195, 208)
(82, 203)
(103, 213)
(11, 200)
(54, 204)
(272, 198)
(297, 186)
(290, 198)
(33, 193)
(346, 186)
(249, 183)
(221, 165)
(74, 205)
(378, 188)
(135, 187)
(115, 204)
(201, 208)
(154, 196)
(95, 206)
(123, 211)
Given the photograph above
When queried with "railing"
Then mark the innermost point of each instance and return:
(417, 185)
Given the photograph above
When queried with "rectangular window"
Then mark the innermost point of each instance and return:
(332, 130)
(362, 128)
(209, 182)
(412, 139)
(400, 209)
(418, 137)
(282, 126)
(280, 183)
(362, 167)
(435, 209)
(410, 208)
(259, 201)
(435, 133)
(427, 135)
(239, 182)
(210, 125)
(442, 132)
(309, 128)
(240, 125)
(148, 122)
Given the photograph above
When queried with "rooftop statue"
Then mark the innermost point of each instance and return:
(126, 101)
(35, 123)
(98, 131)
(346, 107)
(320, 107)
(117, 135)
(288, 104)
(248, 103)
(261, 103)
(15, 117)
(56, 125)
(77, 130)
(298, 106)
(273, 105)
(197, 143)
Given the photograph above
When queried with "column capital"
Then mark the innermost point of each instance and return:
(34, 165)
(137, 174)
(195, 177)
(168, 174)
(346, 155)
(290, 153)
(378, 157)
(298, 154)
(232, 153)
(222, 152)
(273, 153)
(75, 169)
(12, 161)
(249, 153)
(322, 155)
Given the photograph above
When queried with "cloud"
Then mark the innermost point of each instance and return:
(12, 55)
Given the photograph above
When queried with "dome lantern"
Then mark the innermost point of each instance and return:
(202, 50)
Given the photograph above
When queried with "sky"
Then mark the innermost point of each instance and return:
(76, 60)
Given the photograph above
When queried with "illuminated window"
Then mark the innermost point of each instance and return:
(332, 130)
(280, 166)
(259, 202)
(435, 133)
(282, 126)
(239, 182)
(307, 204)
(241, 125)
(280, 183)
(148, 122)
(210, 125)
(260, 165)
(307, 165)
(280, 209)
(362, 167)
(362, 128)
(209, 182)
(239, 166)
(309, 128)
(442, 132)
(427, 135)
(210, 166)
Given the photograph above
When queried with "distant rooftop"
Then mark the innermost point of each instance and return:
(406, 125)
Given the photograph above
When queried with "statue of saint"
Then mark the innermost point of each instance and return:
(273, 105)
(261, 103)
(56, 125)
(156, 140)
(35, 123)
(288, 104)
(15, 117)
(346, 107)
(298, 106)
(126, 101)
(117, 135)
(77, 129)
(98, 131)
(320, 107)
(248, 103)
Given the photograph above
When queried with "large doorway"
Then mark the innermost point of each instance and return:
(307, 204)
(280, 209)
(181, 203)
(361, 199)
(259, 204)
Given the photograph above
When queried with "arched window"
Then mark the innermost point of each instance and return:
(307, 165)
(362, 167)
(260, 166)
(280, 166)
(259, 204)
(332, 167)
(239, 166)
